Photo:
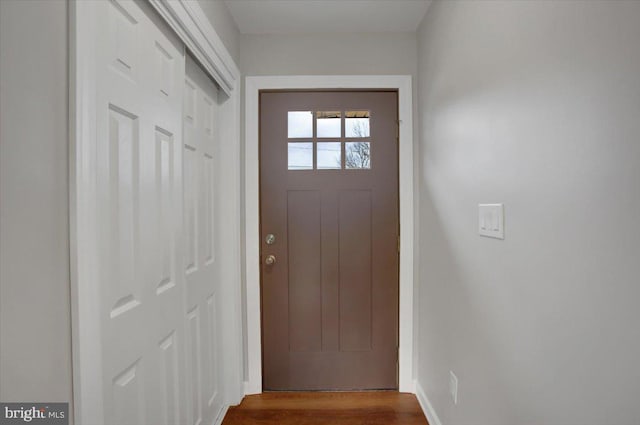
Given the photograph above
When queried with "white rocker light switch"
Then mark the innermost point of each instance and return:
(491, 220)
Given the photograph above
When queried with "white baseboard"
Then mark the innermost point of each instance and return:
(218, 420)
(427, 407)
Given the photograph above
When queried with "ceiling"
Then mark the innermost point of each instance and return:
(326, 16)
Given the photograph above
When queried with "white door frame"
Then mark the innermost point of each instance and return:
(253, 85)
(194, 29)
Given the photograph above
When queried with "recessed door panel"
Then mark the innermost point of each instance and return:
(165, 196)
(169, 370)
(123, 207)
(355, 270)
(128, 395)
(191, 208)
(212, 350)
(305, 283)
(195, 365)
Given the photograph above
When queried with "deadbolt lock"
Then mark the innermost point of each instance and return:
(270, 239)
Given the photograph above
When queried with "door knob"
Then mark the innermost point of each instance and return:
(270, 260)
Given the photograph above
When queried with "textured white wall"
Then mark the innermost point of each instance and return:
(35, 324)
(535, 104)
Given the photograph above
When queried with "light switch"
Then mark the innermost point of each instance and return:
(491, 220)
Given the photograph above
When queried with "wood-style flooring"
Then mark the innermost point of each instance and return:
(332, 408)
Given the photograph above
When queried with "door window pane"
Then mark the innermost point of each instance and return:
(356, 124)
(328, 123)
(300, 156)
(357, 155)
(329, 156)
(300, 124)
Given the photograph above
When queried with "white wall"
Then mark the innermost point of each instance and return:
(225, 26)
(330, 54)
(537, 105)
(35, 325)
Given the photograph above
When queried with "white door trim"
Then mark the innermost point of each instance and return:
(253, 85)
(191, 25)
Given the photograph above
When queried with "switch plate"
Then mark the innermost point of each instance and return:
(491, 220)
(453, 387)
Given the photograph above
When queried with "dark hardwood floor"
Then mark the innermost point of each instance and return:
(334, 408)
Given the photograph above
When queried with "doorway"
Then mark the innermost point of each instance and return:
(252, 248)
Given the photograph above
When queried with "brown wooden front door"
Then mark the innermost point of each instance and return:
(329, 249)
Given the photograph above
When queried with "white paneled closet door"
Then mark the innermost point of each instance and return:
(140, 71)
(201, 180)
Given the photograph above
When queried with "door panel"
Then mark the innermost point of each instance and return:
(355, 268)
(329, 195)
(170, 371)
(157, 180)
(305, 298)
(139, 178)
(201, 143)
